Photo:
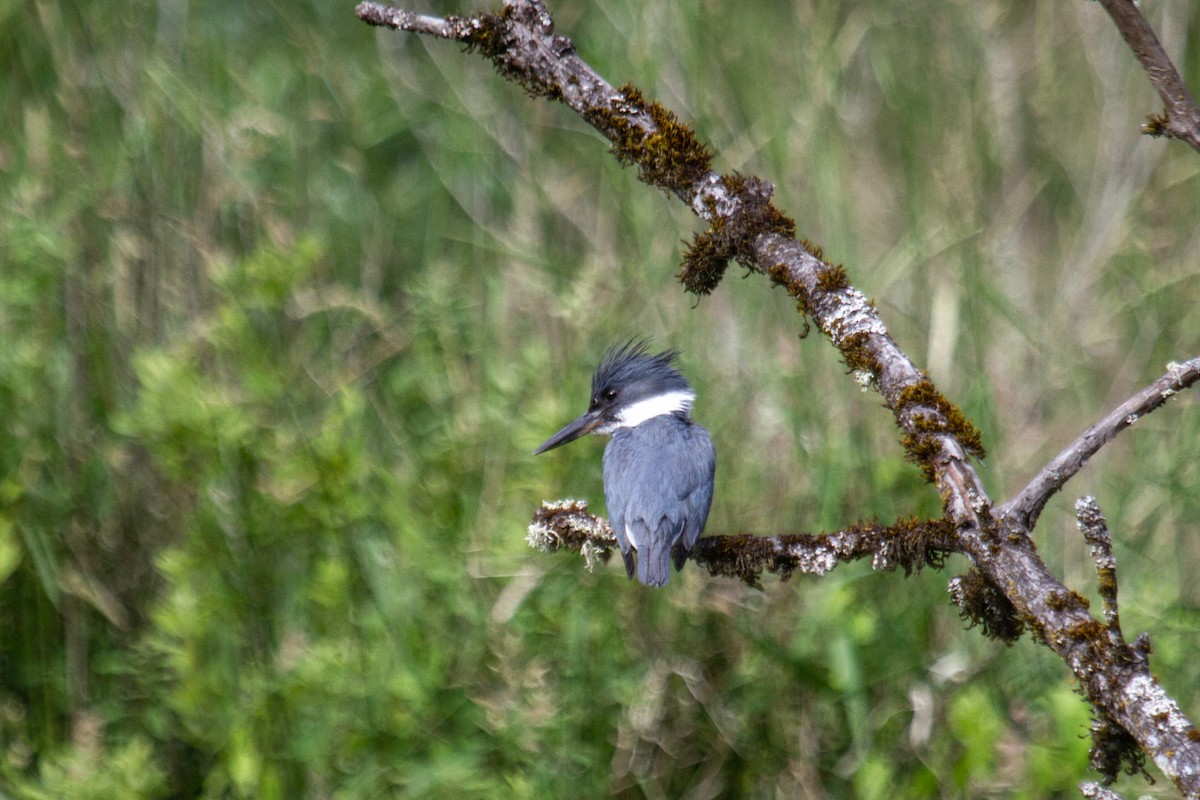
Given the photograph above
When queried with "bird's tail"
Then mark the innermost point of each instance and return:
(654, 565)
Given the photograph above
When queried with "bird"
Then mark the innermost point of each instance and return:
(659, 465)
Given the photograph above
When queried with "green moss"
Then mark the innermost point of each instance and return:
(832, 279)
(982, 603)
(781, 275)
(741, 556)
(491, 37)
(732, 238)
(921, 451)
(669, 156)
(857, 355)
(1114, 750)
(1106, 582)
(1156, 125)
(909, 544)
(915, 543)
(922, 445)
(1060, 601)
(705, 260)
(1087, 629)
(813, 249)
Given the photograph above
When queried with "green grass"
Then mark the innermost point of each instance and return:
(286, 304)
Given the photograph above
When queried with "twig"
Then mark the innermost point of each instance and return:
(399, 19)
(1095, 532)
(1182, 118)
(1027, 506)
(1113, 749)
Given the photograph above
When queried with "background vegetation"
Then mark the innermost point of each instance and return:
(285, 304)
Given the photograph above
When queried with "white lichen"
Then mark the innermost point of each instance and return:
(713, 199)
(592, 554)
(817, 562)
(542, 537)
(865, 379)
(854, 315)
(957, 593)
(1144, 693)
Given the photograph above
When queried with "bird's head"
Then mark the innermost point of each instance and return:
(630, 386)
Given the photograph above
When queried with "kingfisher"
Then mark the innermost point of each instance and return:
(658, 465)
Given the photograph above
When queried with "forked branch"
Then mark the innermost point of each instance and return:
(1027, 506)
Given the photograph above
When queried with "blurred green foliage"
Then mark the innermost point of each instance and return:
(286, 304)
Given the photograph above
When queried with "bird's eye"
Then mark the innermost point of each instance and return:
(609, 394)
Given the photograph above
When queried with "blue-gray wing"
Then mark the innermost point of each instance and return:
(616, 518)
(658, 486)
(699, 499)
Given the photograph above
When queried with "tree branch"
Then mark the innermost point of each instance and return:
(908, 544)
(1182, 118)
(1027, 506)
(1010, 588)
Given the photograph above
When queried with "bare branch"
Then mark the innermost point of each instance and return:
(1027, 506)
(1182, 118)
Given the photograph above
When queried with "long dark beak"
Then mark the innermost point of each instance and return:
(584, 425)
